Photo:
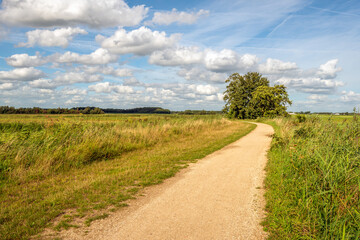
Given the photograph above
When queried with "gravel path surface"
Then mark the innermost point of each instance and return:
(219, 197)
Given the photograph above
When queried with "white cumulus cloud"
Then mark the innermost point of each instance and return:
(176, 57)
(132, 82)
(116, 72)
(21, 74)
(225, 60)
(75, 100)
(24, 60)
(203, 89)
(6, 86)
(47, 38)
(248, 61)
(228, 60)
(350, 96)
(329, 69)
(140, 41)
(76, 77)
(312, 85)
(43, 84)
(49, 13)
(73, 91)
(314, 81)
(169, 17)
(275, 66)
(199, 74)
(99, 56)
(106, 87)
(103, 87)
(317, 97)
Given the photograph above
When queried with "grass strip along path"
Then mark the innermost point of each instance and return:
(73, 167)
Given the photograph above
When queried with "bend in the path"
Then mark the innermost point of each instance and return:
(219, 197)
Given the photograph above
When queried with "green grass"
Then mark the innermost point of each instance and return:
(98, 217)
(67, 167)
(313, 179)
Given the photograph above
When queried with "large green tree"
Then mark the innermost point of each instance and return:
(250, 96)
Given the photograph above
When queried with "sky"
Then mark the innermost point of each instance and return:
(177, 54)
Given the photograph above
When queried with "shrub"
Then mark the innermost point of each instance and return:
(301, 118)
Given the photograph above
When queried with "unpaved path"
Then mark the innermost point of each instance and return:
(219, 197)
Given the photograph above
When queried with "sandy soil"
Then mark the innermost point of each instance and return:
(219, 197)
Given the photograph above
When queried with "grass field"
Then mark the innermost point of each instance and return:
(313, 178)
(83, 167)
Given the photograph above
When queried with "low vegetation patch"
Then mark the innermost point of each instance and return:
(50, 164)
(313, 179)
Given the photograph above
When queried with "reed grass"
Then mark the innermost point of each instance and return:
(313, 179)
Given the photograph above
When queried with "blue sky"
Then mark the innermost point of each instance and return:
(176, 54)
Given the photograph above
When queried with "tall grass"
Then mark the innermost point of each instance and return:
(31, 149)
(313, 179)
(83, 164)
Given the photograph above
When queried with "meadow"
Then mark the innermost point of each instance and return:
(62, 171)
(313, 178)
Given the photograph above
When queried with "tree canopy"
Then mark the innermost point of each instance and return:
(250, 96)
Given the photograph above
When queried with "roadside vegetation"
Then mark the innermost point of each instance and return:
(69, 167)
(313, 178)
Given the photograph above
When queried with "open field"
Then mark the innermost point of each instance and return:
(86, 165)
(313, 178)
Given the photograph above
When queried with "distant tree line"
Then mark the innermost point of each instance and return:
(80, 110)
(37, 110)
(325, 113)
(95, 110)
(156, 110)
(198, 112)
